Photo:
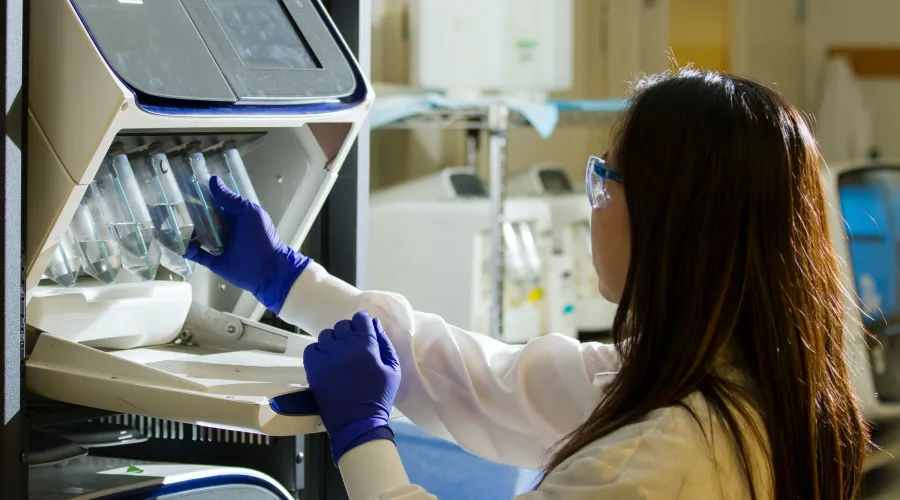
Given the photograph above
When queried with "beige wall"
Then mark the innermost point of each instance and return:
(866, 23)
(700, 33)
(398, 155)
(769, 45)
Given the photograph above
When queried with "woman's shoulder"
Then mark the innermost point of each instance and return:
(681, 431)
(681, 451)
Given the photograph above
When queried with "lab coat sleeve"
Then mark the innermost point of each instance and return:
(508, 404)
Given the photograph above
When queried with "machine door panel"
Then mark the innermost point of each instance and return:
(138, 41)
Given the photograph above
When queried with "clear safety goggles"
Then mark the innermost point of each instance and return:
(596, 178)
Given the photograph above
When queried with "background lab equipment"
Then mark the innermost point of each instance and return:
(865, 227)
(521, 47)
(122, 144)
(571, 238)
(433, 247)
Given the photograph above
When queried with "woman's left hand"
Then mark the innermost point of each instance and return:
(354, 374)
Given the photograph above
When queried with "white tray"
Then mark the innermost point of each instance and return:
(250, 391)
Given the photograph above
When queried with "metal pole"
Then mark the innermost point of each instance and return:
(14, 432)
(472, 147)
(498, 125)
(342, 233)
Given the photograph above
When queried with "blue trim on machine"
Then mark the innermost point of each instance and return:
(300, 403)
(155, 491)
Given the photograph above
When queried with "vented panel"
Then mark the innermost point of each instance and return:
(156, 428)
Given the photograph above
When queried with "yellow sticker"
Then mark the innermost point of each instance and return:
(535, 295)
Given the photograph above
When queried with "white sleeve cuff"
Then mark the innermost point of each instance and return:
(318, 300)
(372, 469)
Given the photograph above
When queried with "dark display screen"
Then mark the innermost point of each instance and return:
(555, 182)
(467, 185)
(263, 34)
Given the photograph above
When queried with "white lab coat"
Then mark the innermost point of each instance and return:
(510, 404)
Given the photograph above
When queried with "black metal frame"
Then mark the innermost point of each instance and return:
(338, 237)
(14, 435)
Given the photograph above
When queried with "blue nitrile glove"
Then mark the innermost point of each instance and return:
(255, 259)
(354, 374)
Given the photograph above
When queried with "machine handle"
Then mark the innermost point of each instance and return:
(300, 403)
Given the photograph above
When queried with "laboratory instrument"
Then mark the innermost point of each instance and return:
(101, 478)
(431, 243)
(126, 140)
(864, 198)
(571, 214)
(468, 47)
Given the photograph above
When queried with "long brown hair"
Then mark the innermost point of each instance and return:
(730, 253)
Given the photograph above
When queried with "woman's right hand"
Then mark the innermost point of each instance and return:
(354, 373)
(255, 258)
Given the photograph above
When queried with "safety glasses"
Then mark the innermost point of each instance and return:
(596, 177)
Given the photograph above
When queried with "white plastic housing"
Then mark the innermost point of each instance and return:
(117, 316)
(472, 46)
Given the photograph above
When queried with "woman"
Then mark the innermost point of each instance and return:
(726, 378)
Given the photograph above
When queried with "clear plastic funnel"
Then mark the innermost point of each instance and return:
(165, 202)
(98, 249)
(227, 164)
(126, 213)
(176, 263)
(65, 262)
(193, 177)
